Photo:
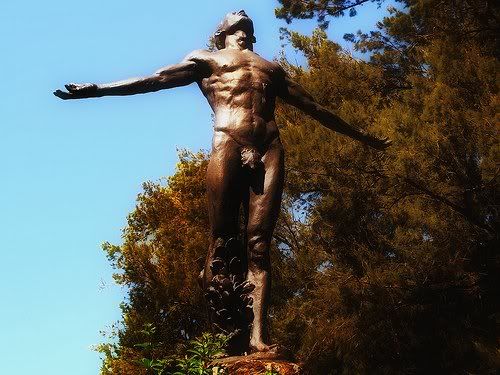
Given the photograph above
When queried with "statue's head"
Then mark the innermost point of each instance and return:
(231, 23)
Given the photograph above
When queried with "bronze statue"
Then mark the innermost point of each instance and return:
(246, 167)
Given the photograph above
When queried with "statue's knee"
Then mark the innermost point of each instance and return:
(258, 250)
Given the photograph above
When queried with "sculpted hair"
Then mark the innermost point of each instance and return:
(230, 22)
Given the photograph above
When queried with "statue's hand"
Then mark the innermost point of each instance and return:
(377, 143)
(77, 91)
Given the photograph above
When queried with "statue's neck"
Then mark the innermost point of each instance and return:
(237, 47)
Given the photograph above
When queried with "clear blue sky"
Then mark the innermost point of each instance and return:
(71, 169)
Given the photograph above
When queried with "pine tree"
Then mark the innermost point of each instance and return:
(405, 245)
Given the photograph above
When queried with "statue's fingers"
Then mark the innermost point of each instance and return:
(385, 143)
(62, 94)
(71, 87)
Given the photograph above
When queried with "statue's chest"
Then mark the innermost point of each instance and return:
(238, 73)
(243, 67)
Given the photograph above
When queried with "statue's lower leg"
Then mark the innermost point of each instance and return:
(259, 275)
(258, 334)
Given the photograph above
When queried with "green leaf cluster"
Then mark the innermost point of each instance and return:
(202, 352)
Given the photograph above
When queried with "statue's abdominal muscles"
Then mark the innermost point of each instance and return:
(243, 100)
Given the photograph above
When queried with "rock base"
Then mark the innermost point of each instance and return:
(255, 364)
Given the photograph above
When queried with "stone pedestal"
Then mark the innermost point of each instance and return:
(254, 364)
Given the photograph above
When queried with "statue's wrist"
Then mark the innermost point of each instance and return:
(365, 136)
(91, 90)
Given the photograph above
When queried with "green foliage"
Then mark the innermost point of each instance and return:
(156, 366)
(194, 358)
(271, 372)
(202, 351)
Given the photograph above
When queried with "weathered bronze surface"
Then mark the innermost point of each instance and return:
(246, 167)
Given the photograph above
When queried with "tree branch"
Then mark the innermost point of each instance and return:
(335, 11)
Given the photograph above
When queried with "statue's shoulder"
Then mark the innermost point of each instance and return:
(272, 65)
(276, 66)
(199, 55)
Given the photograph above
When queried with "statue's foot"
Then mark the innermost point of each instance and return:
(264, 351)
(259, 346)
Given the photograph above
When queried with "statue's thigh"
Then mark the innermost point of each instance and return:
(265, 195)
(225, 187)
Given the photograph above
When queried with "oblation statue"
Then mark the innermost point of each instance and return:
(246, 168)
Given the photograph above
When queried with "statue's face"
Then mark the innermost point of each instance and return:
(240, 39)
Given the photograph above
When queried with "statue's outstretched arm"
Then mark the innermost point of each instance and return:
(176, 75)
(294, 94)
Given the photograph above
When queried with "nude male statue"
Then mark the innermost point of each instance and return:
(247, 161)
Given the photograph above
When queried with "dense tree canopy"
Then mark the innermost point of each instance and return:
(163, 251)
(382, 262)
